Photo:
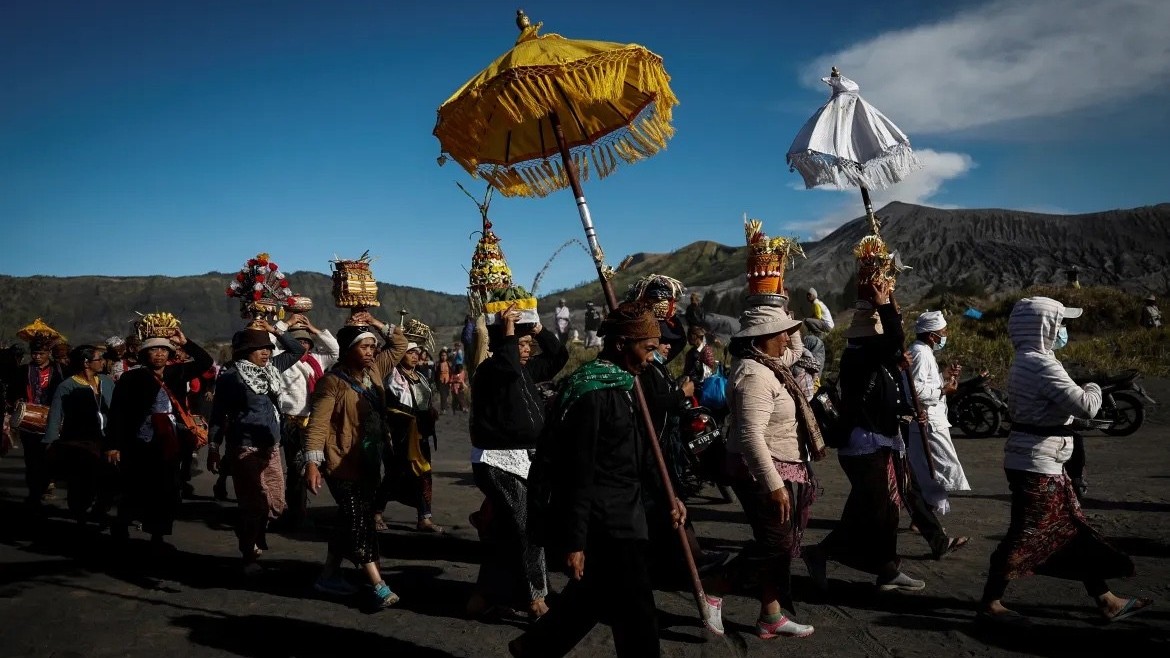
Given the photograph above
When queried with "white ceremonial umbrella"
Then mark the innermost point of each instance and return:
(849, 143)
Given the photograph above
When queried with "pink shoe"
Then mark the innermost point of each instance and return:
(783, 627)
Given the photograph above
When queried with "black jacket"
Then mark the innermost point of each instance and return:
(18, 384)
(601, 465)
(137, 389)
(871, 384)
(244, 417)
(506, 408)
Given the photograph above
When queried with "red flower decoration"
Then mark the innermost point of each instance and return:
(256, 294)
(284, 283)
(251, 262)
(273, 267)
(290, 300)
(240, 277)
(230, 292)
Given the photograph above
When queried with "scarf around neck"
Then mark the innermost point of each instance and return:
(593, 376)
(261, 380)
(808, 429)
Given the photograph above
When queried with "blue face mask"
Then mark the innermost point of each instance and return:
(942, 342)
(1061, 338)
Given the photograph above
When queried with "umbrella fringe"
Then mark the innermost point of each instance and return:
(644, 137)
(823, 169)
(531, 93)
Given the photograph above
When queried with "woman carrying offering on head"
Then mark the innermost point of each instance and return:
(344, 442)
(246, 410)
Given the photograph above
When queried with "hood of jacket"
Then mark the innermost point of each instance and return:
(1034, 323)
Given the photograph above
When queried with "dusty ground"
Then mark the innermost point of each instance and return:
(63, 594)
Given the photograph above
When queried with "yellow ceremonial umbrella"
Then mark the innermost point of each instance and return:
(595, 104)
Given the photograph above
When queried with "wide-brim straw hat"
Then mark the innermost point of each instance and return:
(866, 322)
(764, 321)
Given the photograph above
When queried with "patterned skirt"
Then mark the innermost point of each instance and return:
(1049, 534)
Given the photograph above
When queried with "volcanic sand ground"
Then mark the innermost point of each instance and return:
(61, 594)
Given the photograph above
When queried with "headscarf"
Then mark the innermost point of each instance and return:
(263, 380)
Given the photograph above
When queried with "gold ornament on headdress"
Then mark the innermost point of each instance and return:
(38, 329)
(767, 258)
(354, 286)
(159, 324)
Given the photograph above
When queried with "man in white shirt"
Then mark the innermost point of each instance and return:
(821, 321)
(563, 319)
(321, 352)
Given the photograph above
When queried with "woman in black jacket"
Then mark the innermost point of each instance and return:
(148, 436)
(866, 539)
(247, 410)
(507, 416)
(78, 419)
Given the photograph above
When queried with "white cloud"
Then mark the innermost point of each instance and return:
(920, 187)
(1009, 60)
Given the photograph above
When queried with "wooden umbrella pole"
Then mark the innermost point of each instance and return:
(873, 224)
(639, 395)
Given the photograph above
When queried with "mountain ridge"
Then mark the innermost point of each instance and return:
(975, 250)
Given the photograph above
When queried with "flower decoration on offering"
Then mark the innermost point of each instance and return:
(658, 289)
(159, 324)
(767, 258)
(354, 286)
(37, 329)
(875, 261)
(263, 290)
(491, 289)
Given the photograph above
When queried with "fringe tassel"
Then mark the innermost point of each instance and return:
(528, 94)
(822, 169)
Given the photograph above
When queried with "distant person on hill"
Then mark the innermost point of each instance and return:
(821, 321)
(1151, 316)
(564, 318)
(695, 315)
(592, 324)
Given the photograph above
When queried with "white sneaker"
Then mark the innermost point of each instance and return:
(714, 608)
(902, 583)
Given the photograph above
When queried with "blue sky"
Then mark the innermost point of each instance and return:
(182, 137)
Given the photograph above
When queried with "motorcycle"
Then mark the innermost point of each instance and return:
(701, 451)
(978, 409)
(1123, 403)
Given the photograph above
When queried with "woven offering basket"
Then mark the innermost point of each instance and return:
(354, 285)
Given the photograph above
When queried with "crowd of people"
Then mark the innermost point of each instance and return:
(565, 461)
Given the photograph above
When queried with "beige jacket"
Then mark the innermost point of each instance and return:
(762, 422)
(333, 438)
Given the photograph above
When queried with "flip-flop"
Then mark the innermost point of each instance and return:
(1130, 609)
(954, 544)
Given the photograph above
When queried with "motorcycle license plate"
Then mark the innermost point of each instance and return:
(703, 441)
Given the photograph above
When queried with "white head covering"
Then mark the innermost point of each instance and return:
(930, 321)
(360, 337)
(813, 292)
(412, 346)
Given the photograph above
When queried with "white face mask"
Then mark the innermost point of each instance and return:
(942, 342)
